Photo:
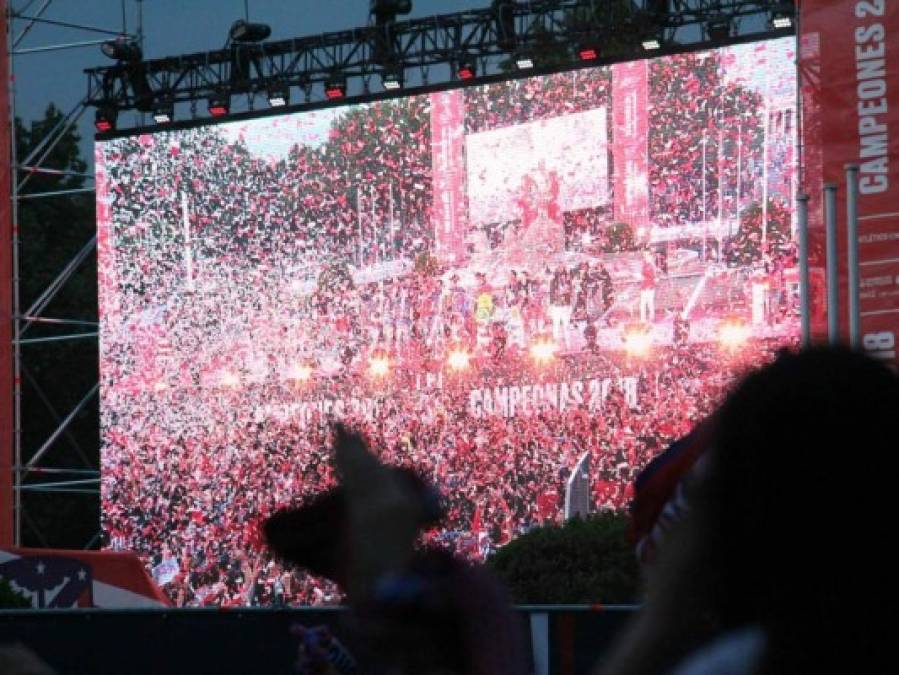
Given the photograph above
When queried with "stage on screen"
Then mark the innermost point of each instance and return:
(490, 282)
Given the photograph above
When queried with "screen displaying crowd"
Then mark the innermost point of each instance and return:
(262, 279)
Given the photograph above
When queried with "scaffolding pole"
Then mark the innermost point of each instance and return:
(855, 332)
(32, 20)
(44, 299)
(56, 193)
(833, 264)
(21, 321)
(804, 295)
(16, 299)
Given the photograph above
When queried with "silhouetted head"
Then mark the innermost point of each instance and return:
(798, 500)
(787, 525)
(315, 536)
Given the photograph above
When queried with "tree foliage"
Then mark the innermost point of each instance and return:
(583, 561)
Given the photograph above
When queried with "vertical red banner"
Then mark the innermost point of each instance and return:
(849, 70)
(448, 161)
(630, 108)
(6, 356)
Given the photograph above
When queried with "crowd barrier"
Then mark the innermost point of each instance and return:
(563, 640)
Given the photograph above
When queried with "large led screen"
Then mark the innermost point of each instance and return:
(489, 282)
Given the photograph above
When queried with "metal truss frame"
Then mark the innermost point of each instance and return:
(34, 469)
(487, 36)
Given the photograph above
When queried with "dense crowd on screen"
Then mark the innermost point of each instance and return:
(198, 494)
(218, 312)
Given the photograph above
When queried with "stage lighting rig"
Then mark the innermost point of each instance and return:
(127, 52)
(782, 16)
(467, 70)
(588, 53)
(220, 104)
(250, 61)
(524, 62)
(122, 49)
(278, 95)
(105, 119)
(780, 22)
(386, 11)
(392, 78)
(335, 88)
(245, 32)
(164, 112)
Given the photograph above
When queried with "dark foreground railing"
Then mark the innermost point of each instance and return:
(563, 640)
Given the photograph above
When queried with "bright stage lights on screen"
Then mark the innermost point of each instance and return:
(638, 341)
(733, 334)
(378, 366)
(458, 359)
(230, 379)
(300, 372)
(544, 351)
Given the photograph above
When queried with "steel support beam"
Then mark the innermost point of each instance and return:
(31, 22)
(56, 338)
(66, 24)
(41, 451)
(43, 149)
(57, 420)
(59, 282)
(56, 193)
(33, 164)
(361, 53)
